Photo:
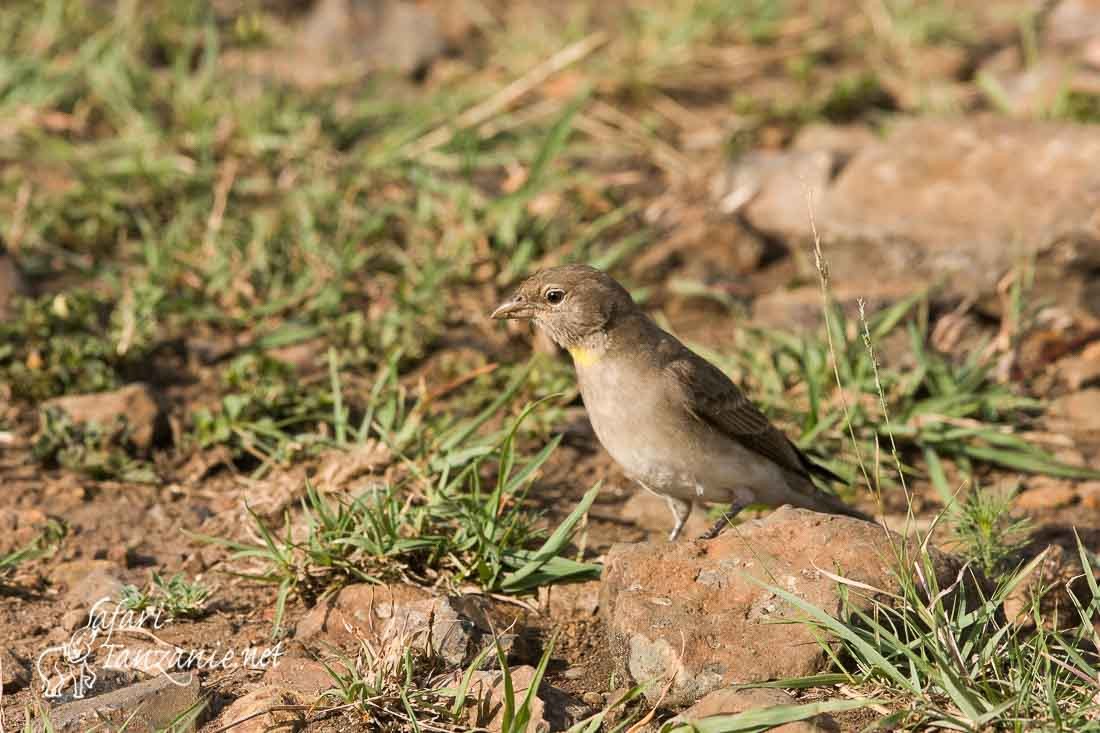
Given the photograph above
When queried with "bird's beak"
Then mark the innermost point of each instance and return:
(514, 308)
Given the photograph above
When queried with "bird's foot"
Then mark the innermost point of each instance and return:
(680, 511)
(726, 519)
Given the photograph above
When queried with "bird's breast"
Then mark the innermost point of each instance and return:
(648, 431)
(636, 424)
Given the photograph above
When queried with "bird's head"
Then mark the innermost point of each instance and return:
(571, 303)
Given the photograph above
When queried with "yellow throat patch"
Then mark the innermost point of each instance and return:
(583, 357)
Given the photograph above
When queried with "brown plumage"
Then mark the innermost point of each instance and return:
(670, 418)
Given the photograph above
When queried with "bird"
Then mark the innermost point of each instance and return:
(674, 422)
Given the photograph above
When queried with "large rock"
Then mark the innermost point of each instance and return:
(697, 612)
(953, 199)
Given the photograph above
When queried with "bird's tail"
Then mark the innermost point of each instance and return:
(833, 505)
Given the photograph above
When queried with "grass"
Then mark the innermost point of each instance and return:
(408, 687)
(989, 535)
(940, 660)
(942, 408)
(43, 545)
(176, 596)
(99, 452)
(460, 518)
(928, 656)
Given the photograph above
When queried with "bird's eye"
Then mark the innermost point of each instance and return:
(555, 296)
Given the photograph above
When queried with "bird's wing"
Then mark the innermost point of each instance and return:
(713, 399)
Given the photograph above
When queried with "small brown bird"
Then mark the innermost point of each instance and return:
(674, 422)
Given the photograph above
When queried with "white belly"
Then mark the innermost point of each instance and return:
(679, 458)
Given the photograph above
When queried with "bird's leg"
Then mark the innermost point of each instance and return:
(680, 510)
(727, 517)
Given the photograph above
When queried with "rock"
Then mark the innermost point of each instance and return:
(148, 659)
(393, 616)
(1078, 411)
(137, 404)
(356, 610)
(251, 711)
(1072, 23)
(842, 141)
(771, 186)
(11, 281)
(1044, 493)
(692, 611)
(1081, 370)
(1089, 491)
(450, 633)
(729, 701)
(307, 677)
(14, 674)
(87, 582)
(961, 200)
(20, 527)
(551, 708)
(801, 308)
(571, 600)
(387, 34)
(150, 705)
(650, 512)
(1030, 91)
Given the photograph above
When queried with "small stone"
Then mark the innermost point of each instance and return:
(355, 611)
(87, 582)
(391, 34)
(593, 699)
(14, 674)
(1045, 493)
(136, 403)
(260, 701)
(450, 633)
(551, 709)
(729, 701)
(394, 616)
(571, 600)
(1081, 410)
(150, 705)
(1081, 370)
(1089, 491)
(305, 676)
